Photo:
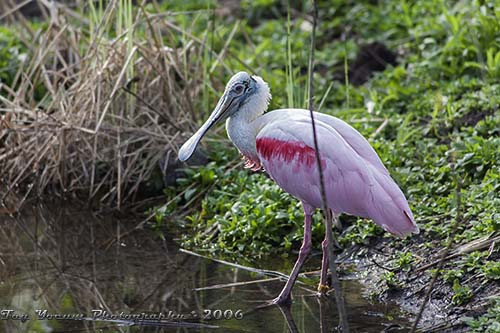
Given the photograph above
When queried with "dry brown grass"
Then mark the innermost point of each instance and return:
(112, 108)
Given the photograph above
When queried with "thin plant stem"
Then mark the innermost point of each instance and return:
(289, 69)
(346, 76)
(344, 327)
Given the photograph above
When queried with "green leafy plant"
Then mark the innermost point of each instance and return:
(391, 281)
(462, 293)
(491, 270)
(489, 323)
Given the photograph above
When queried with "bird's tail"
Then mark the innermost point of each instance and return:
(390, 209)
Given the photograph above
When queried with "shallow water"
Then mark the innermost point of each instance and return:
(68, 261)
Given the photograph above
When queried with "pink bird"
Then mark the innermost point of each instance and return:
(281, 142)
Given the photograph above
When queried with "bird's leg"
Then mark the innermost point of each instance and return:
(337, 224)
(284, 297)
(323, 282)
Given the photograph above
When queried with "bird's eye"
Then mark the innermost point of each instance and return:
(238, 89)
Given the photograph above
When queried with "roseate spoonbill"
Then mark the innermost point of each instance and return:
(281, 142)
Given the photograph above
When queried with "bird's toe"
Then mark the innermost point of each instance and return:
(281, 301)
(322, 289)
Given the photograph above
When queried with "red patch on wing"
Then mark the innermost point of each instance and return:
(286, 150)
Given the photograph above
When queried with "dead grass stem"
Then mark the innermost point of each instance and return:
(75, 120)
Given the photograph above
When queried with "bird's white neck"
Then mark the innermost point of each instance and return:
(242, 127)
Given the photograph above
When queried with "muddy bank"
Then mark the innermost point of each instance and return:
(379, 267)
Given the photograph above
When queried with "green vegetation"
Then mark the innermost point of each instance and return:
(462, 293)
(390, 280)
(489, 323)
(11, 54)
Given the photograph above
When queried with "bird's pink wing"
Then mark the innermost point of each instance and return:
(354, 139)
(356, 181)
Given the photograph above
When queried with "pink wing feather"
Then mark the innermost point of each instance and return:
(356, 181)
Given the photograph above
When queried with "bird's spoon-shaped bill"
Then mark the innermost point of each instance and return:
(190, 145)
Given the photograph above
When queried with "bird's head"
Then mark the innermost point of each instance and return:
(244, 95)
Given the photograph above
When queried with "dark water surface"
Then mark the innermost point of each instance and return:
(68, 261)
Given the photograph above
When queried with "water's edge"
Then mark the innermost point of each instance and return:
(106, 273)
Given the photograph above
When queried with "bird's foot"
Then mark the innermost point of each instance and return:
(280, 301)
(251, 164)
(322, 289)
